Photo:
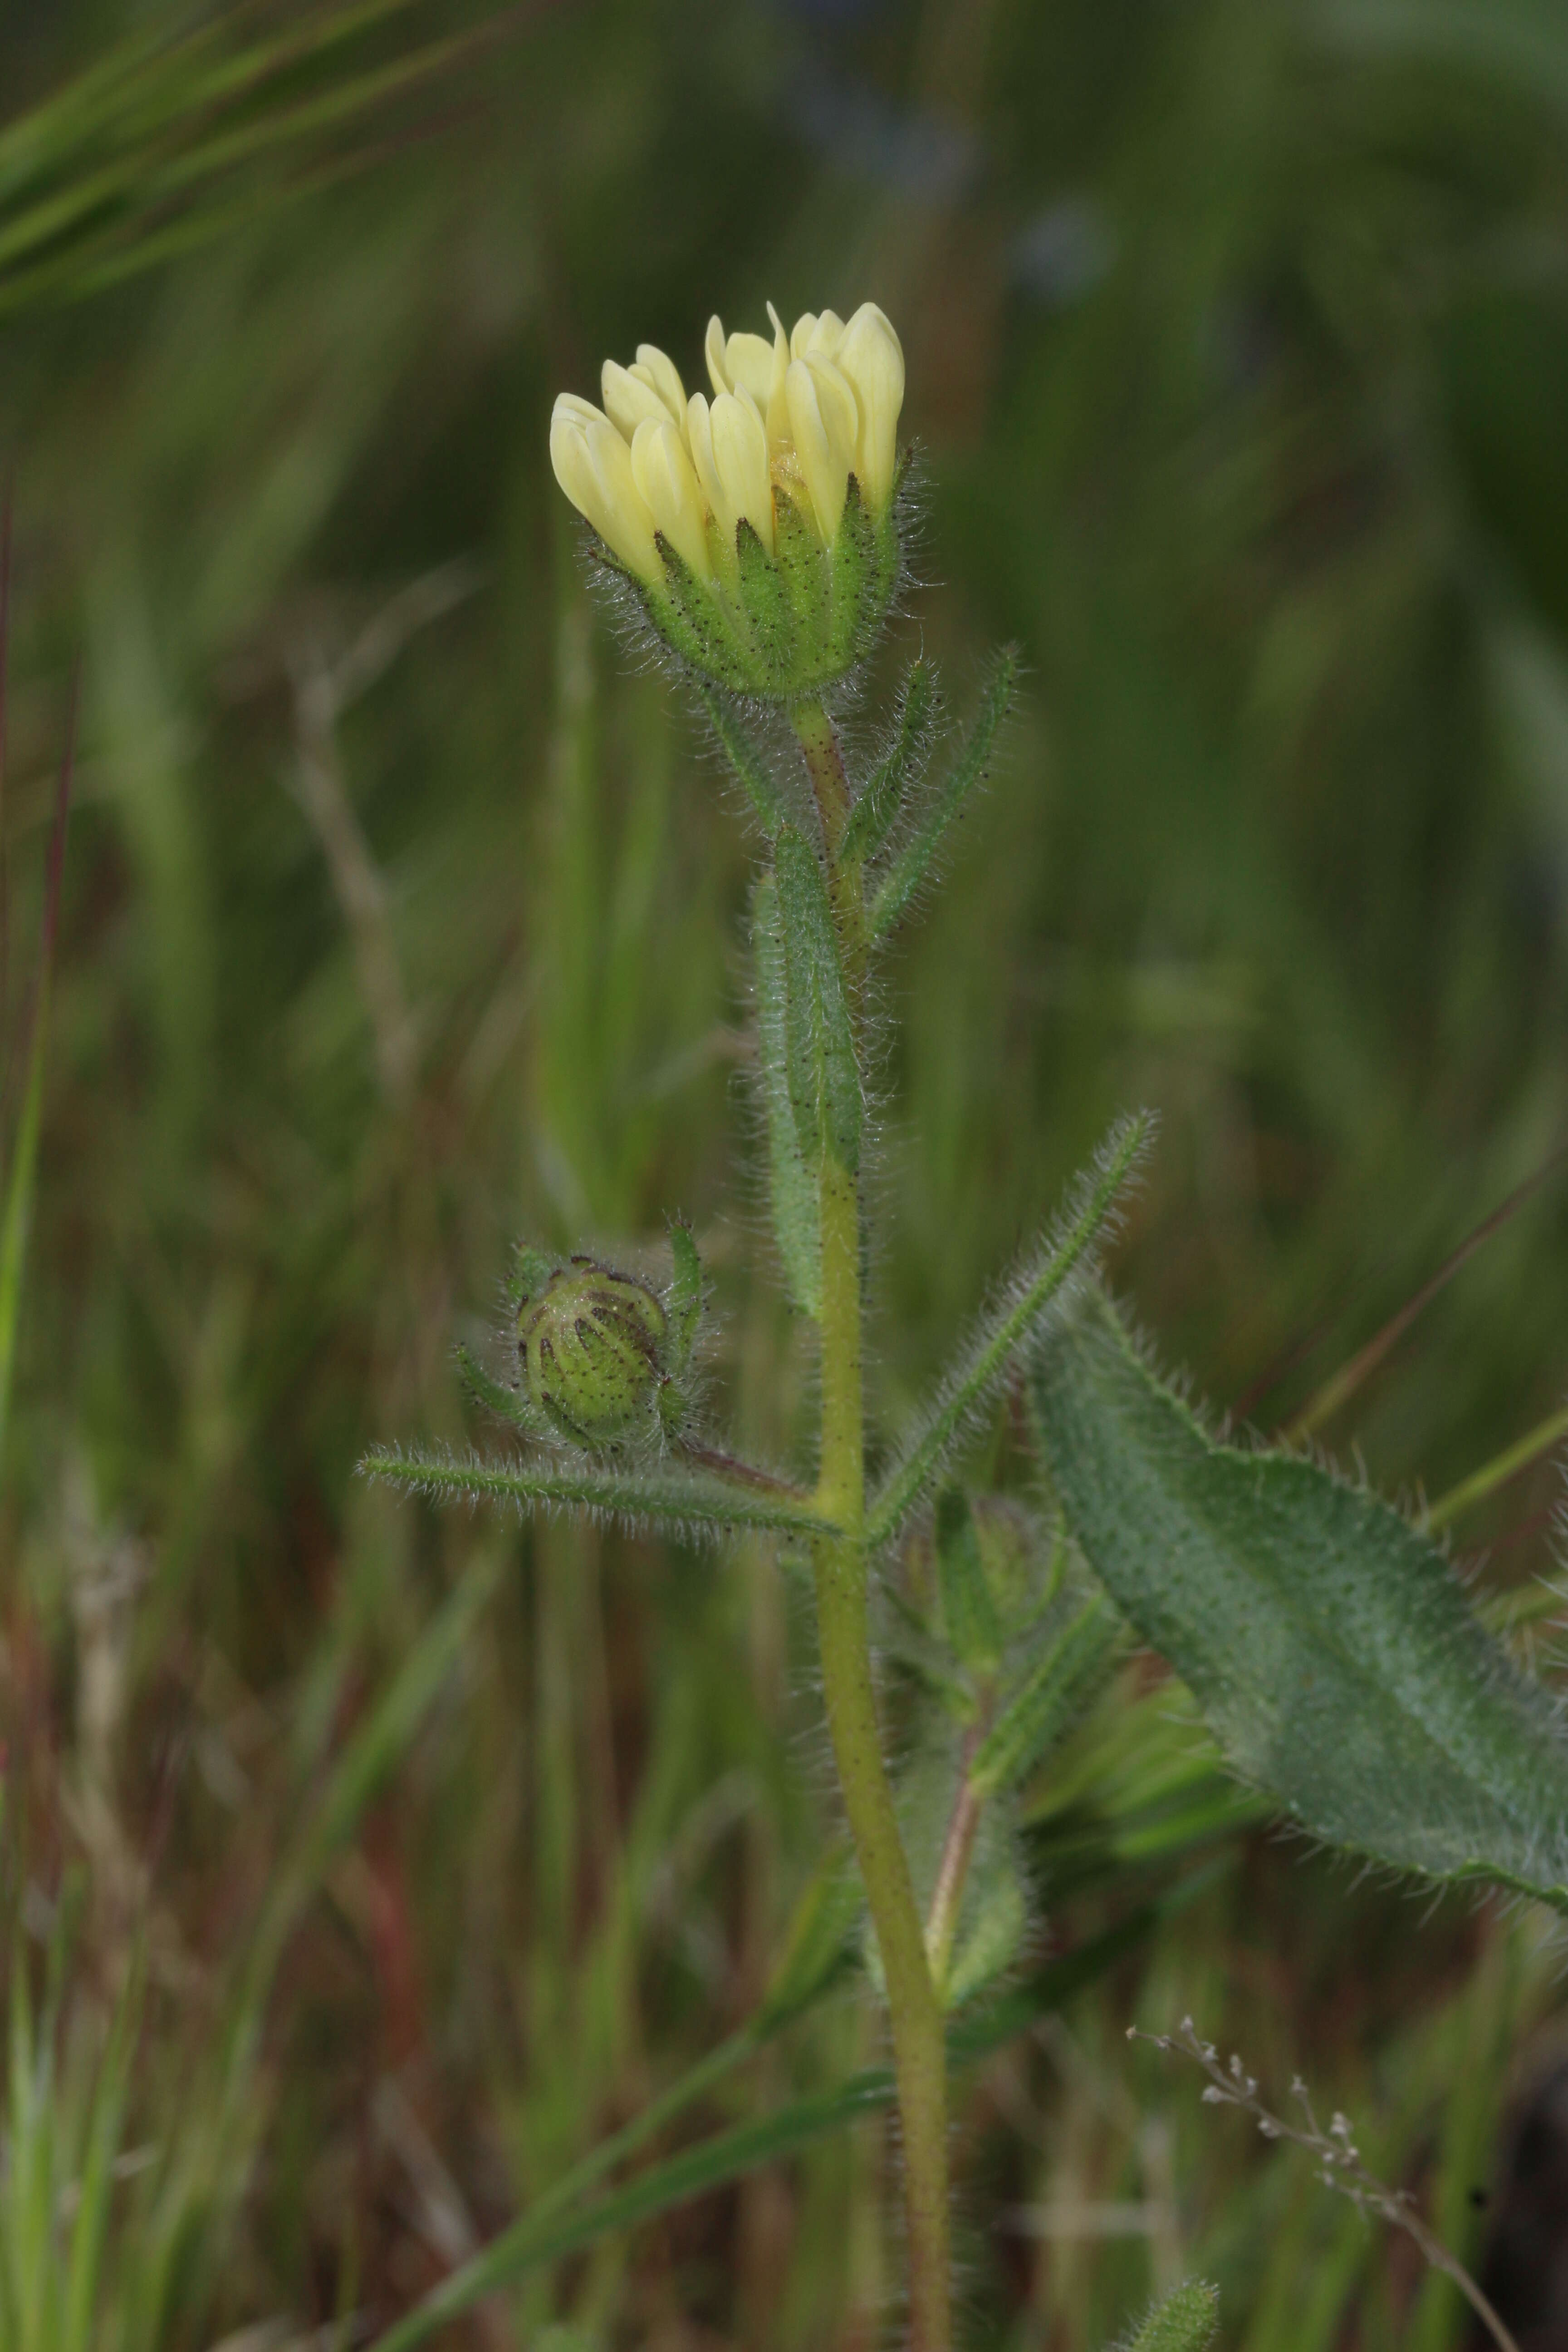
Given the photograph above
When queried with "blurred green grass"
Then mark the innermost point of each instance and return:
(1237, 342)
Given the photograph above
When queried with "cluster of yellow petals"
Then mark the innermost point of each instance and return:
(804, 412)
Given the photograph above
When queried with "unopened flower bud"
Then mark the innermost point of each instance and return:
(662, 469)
(758, 528)
(594, 465)
(592, 1343)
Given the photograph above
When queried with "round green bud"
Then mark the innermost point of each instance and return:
(592, 1344)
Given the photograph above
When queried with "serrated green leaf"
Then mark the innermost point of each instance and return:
(1066, 1679)
(969, 1612)
(792, 1190)
(878, 803)
(1184, 2321)
(819, 1045)
(1331, 1646)
(1030, 1295)
(634, 1498)
(913, 862)
(746, 758)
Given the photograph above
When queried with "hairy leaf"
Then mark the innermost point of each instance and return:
(1330, 1644)
(997, 1917)
(968, 1610)
(913, 862)
(506, 1403)
(1062, 1684)
(1032, 1292)
(745, 757)
(1184, 2321)
(819, 1046)
(878, 803)
(796, 1215)
(635, 1498)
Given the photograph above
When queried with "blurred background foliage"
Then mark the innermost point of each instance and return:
(363, 1867)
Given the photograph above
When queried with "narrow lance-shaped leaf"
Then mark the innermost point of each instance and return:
(1184, 2321)
(1329, 1642)
(507, 1404)
(913, 862)
(819, 1046)
(17, 1202)
(1066, 1679)
(890, 781)
(1030, 1295)
(634, 1498)
(745, 757)
(796, 1216)
(969, 1612)
(532, 1269)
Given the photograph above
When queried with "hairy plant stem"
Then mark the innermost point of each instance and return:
(914, 2012)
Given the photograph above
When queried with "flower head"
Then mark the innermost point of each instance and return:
(757, 525)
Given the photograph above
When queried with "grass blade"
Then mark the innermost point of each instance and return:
(537, 2240)
(1513, 1460)
(16, 1211)
(1338, 1389)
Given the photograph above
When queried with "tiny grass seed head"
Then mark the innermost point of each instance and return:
(759, 527)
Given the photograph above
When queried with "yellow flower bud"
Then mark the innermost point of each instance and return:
(824, 418)
(662, 376)
(594, 466)
(811, 333)
(869, 354)
(665, 476)
(729, 446)
(629, 399)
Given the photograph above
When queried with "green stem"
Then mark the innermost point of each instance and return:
(844, 1634)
